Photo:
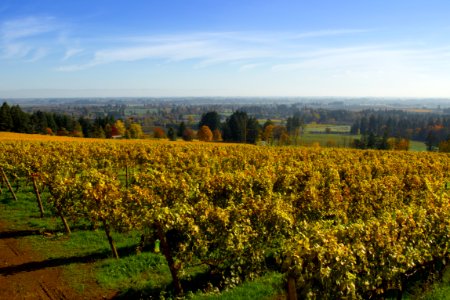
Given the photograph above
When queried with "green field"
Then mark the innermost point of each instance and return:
(323, 128)
(343, 141)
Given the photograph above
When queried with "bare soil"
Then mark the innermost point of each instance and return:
(24, 274)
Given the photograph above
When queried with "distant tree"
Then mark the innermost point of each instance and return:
(181, 128)
(120, 127)
(171, 134)
(39, 122)
(48, 131)
(51, 121)
(64, 132)
(77, 130)
(20, 119)
(98, 132)
(205, 134)
(158, 133)
(371, 141)
(444, 146)
(188, 134)
(278, 131)
(210, 119)
(108, 131)
(267, 135)
(135, 131)
(87, 126)
(431, 140)
(6, 121)
(253, 130)
(269, 122)
(217, 135)
(398, 144)
(284, 139)
(239, 127)
(293, 126)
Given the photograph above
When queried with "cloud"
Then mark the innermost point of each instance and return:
(368, 59)
(23, 38)
(207, 48)
(249, 67)
(38, 54)
(26, 27)
(71, 52)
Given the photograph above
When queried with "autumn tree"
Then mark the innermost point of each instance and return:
(205, 134)
(120, 127)
(268, 134)
(188, 134)
(217, 135)
(135, 131)
(158, 133)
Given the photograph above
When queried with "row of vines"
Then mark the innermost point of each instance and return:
(338, 223)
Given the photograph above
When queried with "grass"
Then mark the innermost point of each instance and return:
(437, 291)
(323, 128)
(143, 271)
(417, 146)
(326, 140)
(268, 286)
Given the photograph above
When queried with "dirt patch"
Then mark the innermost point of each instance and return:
(25, 275)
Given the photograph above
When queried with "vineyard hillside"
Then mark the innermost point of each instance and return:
(336, 223)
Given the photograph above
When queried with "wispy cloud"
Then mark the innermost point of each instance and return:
(208, 48)
(248, 67)
(26, 27)
(22, 38)
(369, 59)
(71, 52)
(38, 54)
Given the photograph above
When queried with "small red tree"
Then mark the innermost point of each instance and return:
(188, 134)
(159, 133)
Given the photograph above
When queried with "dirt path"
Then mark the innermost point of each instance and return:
(24, 275)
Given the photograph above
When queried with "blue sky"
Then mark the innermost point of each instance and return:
(51, 48)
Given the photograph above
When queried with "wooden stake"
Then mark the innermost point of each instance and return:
(8, 184)
(66, 225)
(126, 176)
(38, 196)
(292, 290)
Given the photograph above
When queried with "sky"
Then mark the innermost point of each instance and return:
(107, 48)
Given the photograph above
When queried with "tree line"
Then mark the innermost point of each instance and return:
(378, 125)
(14, 119)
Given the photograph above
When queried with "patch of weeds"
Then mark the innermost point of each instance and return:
(264, 287)
(142, 272)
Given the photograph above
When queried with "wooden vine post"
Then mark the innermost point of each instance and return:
(292, 290)
(64, 221)
(126, 176)
(8, 184)
(38, 195)
(110, 239)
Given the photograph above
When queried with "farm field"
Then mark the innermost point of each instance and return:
(159, 219)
